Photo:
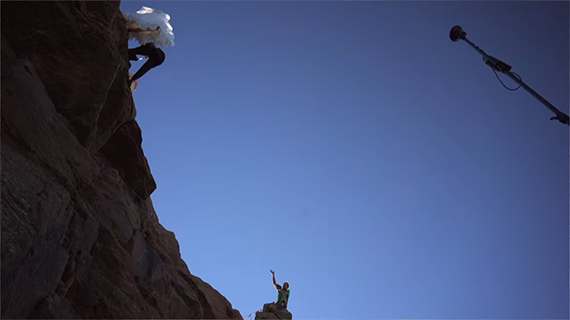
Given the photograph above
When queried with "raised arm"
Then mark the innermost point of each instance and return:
(278, 287)
(139, 30)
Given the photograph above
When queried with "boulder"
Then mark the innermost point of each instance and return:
(273, 311)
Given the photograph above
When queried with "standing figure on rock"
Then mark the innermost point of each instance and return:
(283, 292)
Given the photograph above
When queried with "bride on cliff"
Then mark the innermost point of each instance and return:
(151, 28)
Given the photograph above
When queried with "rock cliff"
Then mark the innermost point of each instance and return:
(80, 237)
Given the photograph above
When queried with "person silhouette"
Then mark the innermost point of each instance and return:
(154, 54)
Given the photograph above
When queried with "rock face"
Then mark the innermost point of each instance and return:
(80, 237)
(272, 311)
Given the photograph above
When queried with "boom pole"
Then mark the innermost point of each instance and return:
(457, 34)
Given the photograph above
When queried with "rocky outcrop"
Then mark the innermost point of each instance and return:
(273, 311)
(80, 237)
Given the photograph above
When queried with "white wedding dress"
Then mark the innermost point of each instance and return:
(149, 18)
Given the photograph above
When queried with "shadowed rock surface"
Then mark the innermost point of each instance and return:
(80, 237)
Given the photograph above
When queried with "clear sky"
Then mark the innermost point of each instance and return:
(378, 167)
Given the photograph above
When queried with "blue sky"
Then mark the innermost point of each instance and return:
(378, 167)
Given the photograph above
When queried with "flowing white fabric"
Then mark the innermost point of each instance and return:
(149, 18)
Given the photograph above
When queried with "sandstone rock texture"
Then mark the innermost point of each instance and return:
(80, 237)
(272, 311)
